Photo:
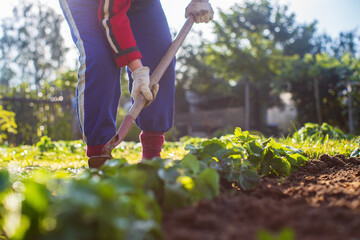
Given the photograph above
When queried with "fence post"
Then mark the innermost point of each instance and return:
(247, 104)
(350, 108)
(317, 100)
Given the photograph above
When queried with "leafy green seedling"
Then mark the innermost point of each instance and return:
(284, 234)
(191, 162)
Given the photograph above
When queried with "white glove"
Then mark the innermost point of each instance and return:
(201, 10)
(141, 82)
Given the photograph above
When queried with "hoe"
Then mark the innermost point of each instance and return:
(140, 102)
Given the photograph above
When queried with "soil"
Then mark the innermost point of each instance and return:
(320, 201)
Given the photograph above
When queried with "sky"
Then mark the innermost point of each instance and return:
(333, 16)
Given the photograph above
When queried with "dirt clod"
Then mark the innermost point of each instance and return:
(354, 161)
(316, 166)
(332, 161)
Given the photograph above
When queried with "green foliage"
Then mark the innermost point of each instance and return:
(120, 201)
(45, 144)
(223, 131)
(356, 151)
(316, 132)
(261, 43)
(284, 234)
(32, 51)
(243, 158)
(4, 180)
(45, 111)
(7, 124)
(67, 82)
(50, 208)
(123, 200)
(21, 56)
(314, 149)
(332, 79)
(253, 39)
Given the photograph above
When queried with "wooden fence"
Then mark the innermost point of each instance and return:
(205, 123)
(56, 115)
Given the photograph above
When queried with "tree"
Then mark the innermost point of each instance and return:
(32, 47)
(346, 44)
(331, 75)
(252, 41)
(261, 46)
(349, 71)
(321, 88)
(195, 73)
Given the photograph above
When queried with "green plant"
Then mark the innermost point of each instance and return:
(314, 131)
(45, 144)
(284, 234)
(120, 201)
(7, 124)
(243, 158)
(223, 131)
(172, 134)
(48, 194)
(356, 151)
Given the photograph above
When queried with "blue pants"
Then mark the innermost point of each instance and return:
(98, 90)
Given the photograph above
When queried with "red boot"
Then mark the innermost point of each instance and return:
(99, 160)
(94, 150)
(152, 143)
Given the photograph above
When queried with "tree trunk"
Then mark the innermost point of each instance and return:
(317, 100)
(247, 105)
(350, 108)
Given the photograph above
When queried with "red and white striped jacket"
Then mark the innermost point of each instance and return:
(114, 19)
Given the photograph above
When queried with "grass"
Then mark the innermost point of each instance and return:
(315, 148)
(50, 168)
(70, 156)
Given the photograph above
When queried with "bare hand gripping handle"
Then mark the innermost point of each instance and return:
(139, 103)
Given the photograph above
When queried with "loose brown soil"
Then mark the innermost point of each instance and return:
(319, 202)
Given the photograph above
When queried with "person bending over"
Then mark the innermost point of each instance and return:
(109, 35)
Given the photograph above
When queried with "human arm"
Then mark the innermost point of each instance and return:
(115, 23)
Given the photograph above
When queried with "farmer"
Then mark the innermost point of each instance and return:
(111, 34)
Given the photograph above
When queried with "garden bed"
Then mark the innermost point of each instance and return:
(320, 201)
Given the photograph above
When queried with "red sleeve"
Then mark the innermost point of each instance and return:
(116, 25)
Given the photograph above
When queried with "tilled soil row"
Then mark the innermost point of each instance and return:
(321, 201)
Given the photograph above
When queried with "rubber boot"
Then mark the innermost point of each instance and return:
(94, 150)
(99, 160)
(152, 143)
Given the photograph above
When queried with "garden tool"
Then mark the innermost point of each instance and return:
(140, 102)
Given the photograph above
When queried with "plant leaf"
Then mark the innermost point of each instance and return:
(209, 180)
(191, 162)
(280, 165)
(248, 179)
(4, 180)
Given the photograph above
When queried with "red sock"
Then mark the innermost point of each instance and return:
(152, 143)
(94, 150)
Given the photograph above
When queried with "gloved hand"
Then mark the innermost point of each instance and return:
(201, 10)
(141, 82)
